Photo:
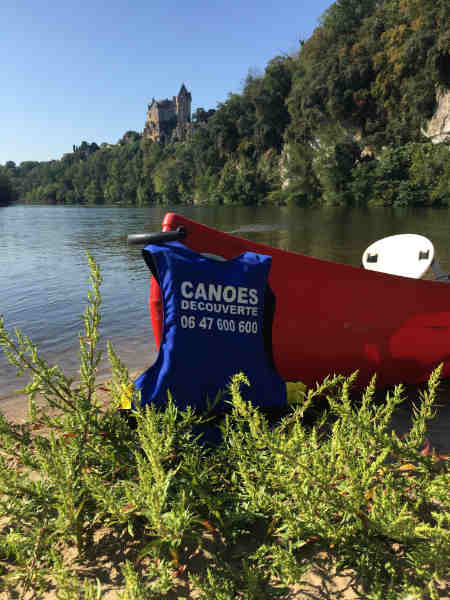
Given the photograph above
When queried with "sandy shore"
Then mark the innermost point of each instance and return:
(319, 583)
(14, 407)
(438, 431)
(14, 404)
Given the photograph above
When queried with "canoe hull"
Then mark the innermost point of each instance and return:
(335, 318)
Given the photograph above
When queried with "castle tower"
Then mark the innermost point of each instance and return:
(183, 104)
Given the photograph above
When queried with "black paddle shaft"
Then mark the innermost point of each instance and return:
(159, 237)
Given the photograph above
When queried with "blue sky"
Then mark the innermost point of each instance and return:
(75, 71)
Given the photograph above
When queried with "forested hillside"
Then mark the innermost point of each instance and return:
(339, 122)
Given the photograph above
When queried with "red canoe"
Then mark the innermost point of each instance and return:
(334, 318)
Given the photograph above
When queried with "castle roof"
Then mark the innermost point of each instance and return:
(161, 103)
(183, 90)
(164, 103)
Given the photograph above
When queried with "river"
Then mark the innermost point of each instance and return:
(44, 273)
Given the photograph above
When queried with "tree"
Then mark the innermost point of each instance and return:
(344, 17)
(130, 136)
(93, 193)
(202, 116)
(7, 193)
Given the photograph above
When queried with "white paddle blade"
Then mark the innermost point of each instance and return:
(406, 254)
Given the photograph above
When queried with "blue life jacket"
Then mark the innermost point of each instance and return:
(213, 320)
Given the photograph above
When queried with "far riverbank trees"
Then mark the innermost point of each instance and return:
(7, 192)
(340, 122)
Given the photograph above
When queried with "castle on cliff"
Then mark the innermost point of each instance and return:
(169, 119)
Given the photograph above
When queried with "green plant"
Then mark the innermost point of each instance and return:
(274, 502)
(47, 463)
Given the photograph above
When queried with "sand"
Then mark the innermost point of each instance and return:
(320, 582)
(14, 407)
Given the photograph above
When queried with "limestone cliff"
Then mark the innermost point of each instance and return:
(438, 127)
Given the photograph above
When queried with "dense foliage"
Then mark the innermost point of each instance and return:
(89, 506)
(339, 122)
(7, 192)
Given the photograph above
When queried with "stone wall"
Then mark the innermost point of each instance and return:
(166, 111)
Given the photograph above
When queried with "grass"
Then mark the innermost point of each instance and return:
(90, 508)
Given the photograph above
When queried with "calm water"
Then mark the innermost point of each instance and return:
(44, 274)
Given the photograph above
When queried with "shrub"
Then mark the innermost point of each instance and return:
(154, 512)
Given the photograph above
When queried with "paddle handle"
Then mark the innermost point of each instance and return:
(159, 237)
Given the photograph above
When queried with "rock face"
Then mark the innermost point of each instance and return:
(438, 128)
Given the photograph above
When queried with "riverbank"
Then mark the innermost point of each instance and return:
(317, 556)
(14, 407)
